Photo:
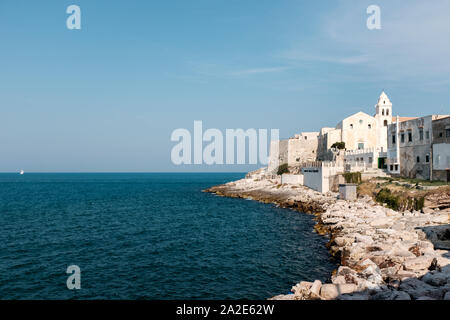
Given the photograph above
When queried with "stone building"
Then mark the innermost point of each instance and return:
(441, 149)
(294, 151)
(410, 146)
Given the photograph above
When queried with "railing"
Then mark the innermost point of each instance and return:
(320, 164)
(363, 151)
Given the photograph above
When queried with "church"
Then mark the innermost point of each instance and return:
(365, 139)
(359, 131)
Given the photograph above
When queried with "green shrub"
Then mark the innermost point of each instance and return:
(352, 177)
(399, 202)
(283, 169)
(385, 196)
(419, 203)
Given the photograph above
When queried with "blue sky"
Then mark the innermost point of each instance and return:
(107, 97)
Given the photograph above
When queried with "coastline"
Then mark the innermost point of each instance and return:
(383, 254)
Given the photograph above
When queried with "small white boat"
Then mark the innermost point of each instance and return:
(22, 172)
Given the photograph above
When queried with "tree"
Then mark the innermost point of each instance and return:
(338, 145)
(283, 169)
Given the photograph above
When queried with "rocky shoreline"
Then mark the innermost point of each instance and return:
(384, 254)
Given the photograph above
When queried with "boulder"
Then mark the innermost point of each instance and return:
(382, 223)
(400, 295)
(302, 288)
(283, 297)
(315, 289)
(418, 263)
(343, 241)
(436, 279)
(339, 280)
(332, 291)
(363, 239)
(416, 289)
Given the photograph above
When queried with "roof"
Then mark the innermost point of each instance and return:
(383, 97)
(402, 119)
(439, 117)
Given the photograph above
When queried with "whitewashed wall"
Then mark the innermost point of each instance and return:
(292, 179)
(441, 156)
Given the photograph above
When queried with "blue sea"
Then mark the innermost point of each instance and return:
(149, 236)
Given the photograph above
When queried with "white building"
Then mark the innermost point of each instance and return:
(359, 131)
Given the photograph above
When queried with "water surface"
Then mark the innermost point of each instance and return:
(149, 236)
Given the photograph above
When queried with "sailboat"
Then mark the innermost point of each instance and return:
(22, 172)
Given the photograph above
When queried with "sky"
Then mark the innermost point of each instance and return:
(107, 97)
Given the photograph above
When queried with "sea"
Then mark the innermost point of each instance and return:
(149, 236)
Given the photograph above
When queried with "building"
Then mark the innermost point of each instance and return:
(410, 146)
(360, 131)
(294, 151)
(441, 149)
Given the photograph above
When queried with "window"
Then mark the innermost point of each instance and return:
(447, 133)
(393, 139)
(360, 145)
(418, 159)
(396, 167)
(440, 134)
(360, 121)
(392, 167)
(351, 126)
(387, 112)
(370, 160)
(427, 134)
(427, 158)
(385, 123)
(306, 138)
(409, 136)
(403, 138)
(382, 112)
(369, 126)
(421, 134)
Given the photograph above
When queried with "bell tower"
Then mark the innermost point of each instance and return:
(384, 110)
(384, 118)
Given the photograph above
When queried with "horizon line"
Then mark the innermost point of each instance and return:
(16, 172)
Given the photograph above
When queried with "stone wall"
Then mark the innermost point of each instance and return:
(296, 179)
(323, 177)
(293, 151)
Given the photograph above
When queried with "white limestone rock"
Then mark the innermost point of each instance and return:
(332, 291)
(418, 263)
